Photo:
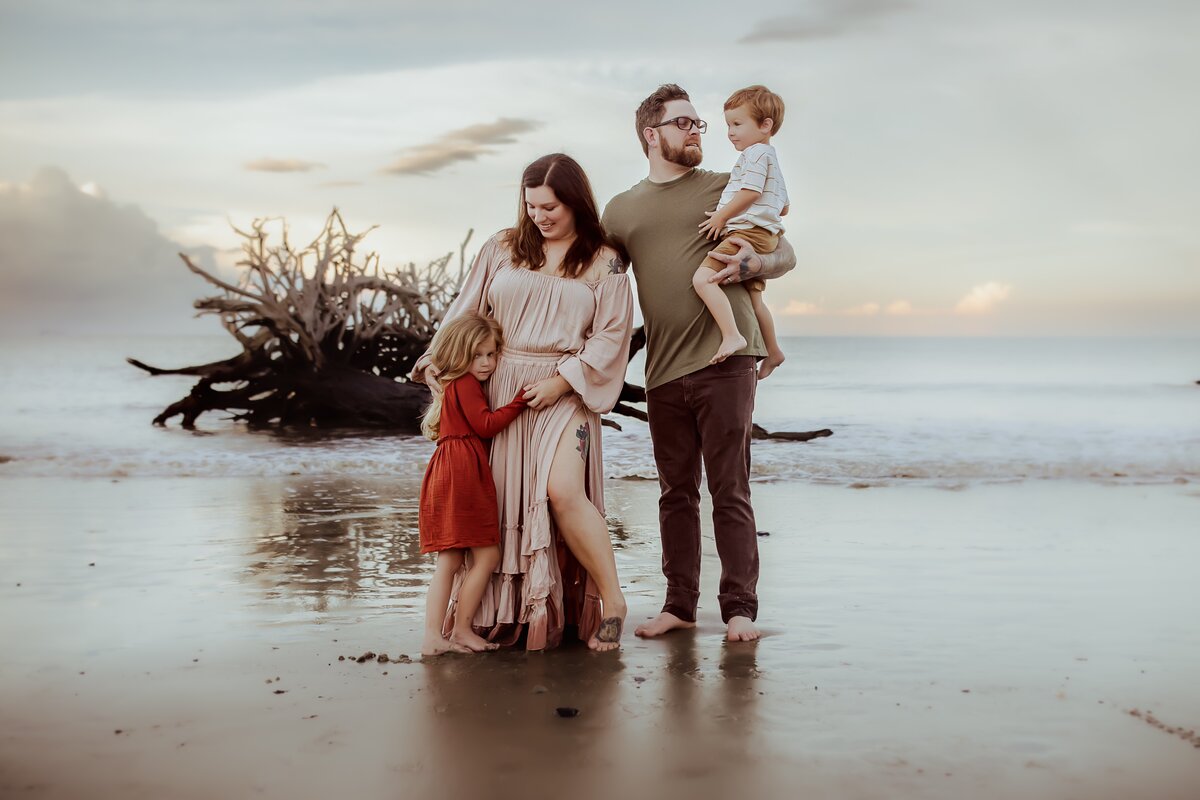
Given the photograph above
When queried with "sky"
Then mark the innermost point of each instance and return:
(954, 167)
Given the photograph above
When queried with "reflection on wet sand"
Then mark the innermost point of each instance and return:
(332, 541)
(320, 543)
(663, 716)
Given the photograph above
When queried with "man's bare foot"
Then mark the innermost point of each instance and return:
(435, 645)
(663, 623)
(472, 641)
(741, 629)
(770, 363)
(729, 346)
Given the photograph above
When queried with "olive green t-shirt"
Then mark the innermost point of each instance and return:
(657, 227)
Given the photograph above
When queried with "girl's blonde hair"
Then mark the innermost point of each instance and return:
(453, 350)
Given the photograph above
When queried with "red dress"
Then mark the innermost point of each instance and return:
(458, 495)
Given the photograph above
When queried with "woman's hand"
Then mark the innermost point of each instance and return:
(545, 393)
(425, 372)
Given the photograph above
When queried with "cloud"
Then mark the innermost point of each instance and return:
(865, 310)
(800, 308)
(464, 144)
(825, 20)
(982, 298)
(75, 261)
(899, 308)
(282, 165)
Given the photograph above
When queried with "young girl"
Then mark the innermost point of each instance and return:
(458, 517)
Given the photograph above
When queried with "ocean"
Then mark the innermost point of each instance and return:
(948, 412)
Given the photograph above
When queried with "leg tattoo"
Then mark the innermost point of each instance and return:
(584, 435)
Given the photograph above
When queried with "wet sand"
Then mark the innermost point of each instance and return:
(180, 638)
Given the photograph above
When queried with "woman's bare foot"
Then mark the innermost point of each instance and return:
(608, 635)
(729, 346)
(770, 363)
(663, 623)
(741, 629)
(435, 645)
(472, 641)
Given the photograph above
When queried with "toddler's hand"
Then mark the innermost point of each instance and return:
(711, 228)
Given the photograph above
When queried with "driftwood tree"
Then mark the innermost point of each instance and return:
(328, 336)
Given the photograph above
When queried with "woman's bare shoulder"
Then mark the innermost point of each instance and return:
(607, 262)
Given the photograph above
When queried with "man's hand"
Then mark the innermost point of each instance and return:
(742, 265)
(546, 392)
(746, 264)
(711, 228)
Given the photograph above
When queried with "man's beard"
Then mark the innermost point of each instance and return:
(685, 156)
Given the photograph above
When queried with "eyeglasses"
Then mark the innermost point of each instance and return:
(684, 124)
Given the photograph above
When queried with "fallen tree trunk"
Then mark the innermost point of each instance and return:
(328, 337)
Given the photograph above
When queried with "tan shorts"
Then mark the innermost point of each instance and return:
(761, 239)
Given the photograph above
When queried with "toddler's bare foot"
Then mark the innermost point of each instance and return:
(663, 623)
(729, 346)
(471, 641)
(435, 645)
(767, 366)
(741, 629)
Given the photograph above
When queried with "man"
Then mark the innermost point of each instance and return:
(698, 411)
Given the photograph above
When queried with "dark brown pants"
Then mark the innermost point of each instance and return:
(706, 415)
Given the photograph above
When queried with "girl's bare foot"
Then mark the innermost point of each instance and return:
(741, 629)
(770, 363)
(435, 645)
(471, 641)
(663, 623)
(729, 346)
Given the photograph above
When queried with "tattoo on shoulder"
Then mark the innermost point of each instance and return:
(616, 266)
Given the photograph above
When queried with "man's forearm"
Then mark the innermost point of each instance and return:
(778, 263)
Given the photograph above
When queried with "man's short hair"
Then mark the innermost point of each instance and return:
(762, 104)
(651, 110)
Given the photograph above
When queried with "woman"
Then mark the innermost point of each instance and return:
(564, 302)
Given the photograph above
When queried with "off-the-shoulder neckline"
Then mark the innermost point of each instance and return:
(603, 276)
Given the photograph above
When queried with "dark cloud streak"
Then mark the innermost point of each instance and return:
(282, 165)
(464, 144)
(828, 20)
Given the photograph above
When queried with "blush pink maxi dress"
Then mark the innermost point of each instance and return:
(580, 329)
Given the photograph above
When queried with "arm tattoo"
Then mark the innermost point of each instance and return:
(584, 435)
(779, 262)
(744, 268)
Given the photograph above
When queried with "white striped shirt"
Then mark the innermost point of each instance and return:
(757, 168)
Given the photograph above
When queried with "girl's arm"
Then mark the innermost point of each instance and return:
(484, 421)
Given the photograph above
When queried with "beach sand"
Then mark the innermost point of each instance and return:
(184, 638)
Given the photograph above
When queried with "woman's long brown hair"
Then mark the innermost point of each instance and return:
(571, 186)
